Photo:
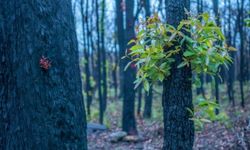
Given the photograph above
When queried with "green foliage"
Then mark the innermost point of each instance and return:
(204, 112)
(247, 21)
(198, 39)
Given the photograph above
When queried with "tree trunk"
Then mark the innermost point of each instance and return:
(148, 96)
(104, 65)
(217, 80)
(177, 92)
(86, 37)
(148, 103)
(231, 70)
(121, 39)
(128, 114)
(240, 7)
(41, 106)
(139, 100)
(114, 72)
(200, 90)
(99, 66)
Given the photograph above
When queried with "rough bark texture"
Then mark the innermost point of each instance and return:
(40, 109)
(128, 114)
(177, 92)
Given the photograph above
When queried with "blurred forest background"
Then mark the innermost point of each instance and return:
(104, 28)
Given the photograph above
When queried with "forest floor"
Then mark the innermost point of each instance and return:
(214, 136)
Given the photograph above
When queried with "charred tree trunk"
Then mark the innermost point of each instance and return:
(128, 114)
(120, 6)
(86, 47)
(217, 80)
(99, 65)
(200, 90)
(230, 80)
(104, 65)
(148, 103)
(139, 100)
(240, 6)
(148, 96)
(41, 105)
(177, 92)
(114, 72)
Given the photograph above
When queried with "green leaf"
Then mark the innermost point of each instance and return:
(188, 53)
(190, 111)
(197, 82)
(131, 42)
(232, 48)
(161, 77)
(137, 83)
(136, 47)
(126, 67)
(146, 85)
(205, 120)
(184, 63)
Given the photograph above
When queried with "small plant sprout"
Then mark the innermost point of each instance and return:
(45, 63)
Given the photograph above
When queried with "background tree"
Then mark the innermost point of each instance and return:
(217, 80)
(148, 96)
(231, 70)
(200, 89)
(104, 61)
(99, 65)
(240, 25)
(120, 8)
(128, 113)
(86, 47)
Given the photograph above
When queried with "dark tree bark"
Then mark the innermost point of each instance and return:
(104, 65)
(115, 58)
(231, 70)
(99, 65)
(217, 80)
(200, 6)
(128, 114)
(240, 7)
(177, 92)
(148, 96)
(121, 39)
(86, 47)
(148, 103)
(139, 100)
(41, 107)
(200, 90)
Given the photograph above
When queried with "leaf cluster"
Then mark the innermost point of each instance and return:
(204, 112)
(197, 39)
